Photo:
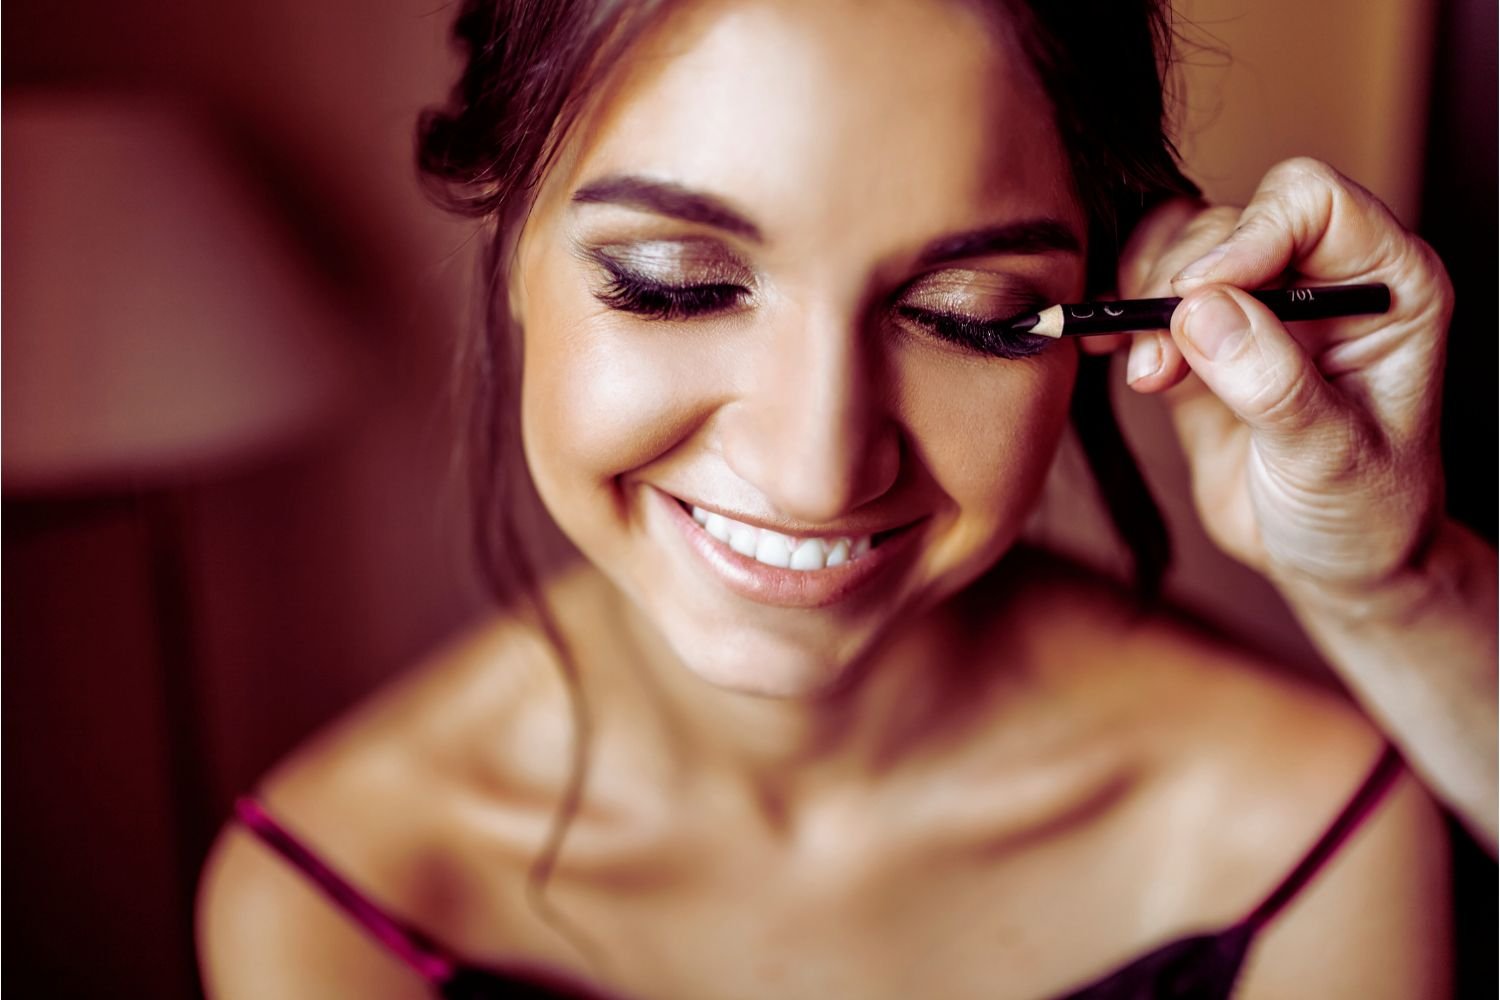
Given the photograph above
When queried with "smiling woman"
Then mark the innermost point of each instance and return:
(841, 736)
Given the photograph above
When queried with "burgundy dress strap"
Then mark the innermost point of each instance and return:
(1379, 781)
(427, 957)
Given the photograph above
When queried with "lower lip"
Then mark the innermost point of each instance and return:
(784, 588)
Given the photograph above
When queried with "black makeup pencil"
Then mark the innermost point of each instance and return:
(1084, 318)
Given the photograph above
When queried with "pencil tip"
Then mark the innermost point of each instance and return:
(1025, 324)
(1049, 323)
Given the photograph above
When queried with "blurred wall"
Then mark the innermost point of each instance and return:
(318, 573)
(311, 574)
(1343, 80)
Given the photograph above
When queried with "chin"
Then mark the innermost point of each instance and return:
(768, 667)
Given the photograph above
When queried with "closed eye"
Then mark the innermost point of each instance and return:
(634, 293)
(992, 337)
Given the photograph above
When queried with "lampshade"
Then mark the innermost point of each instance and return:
(158, 320)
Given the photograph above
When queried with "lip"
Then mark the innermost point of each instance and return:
(783, 588)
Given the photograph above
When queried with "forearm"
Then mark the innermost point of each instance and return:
(1420, 654)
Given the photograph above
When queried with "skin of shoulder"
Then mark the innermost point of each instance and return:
(1255, 764)
(263, 930)
(1375, 921)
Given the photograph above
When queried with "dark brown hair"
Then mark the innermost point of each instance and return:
(1104, 64)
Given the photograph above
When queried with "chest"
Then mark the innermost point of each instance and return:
(722, 922)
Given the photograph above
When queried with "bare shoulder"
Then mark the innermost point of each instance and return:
(1194, 700)
(1256, 763)
(1281, 760)
(1241, 767)
(374, 795)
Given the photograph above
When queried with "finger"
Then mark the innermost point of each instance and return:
(1308, 215)
(1174, 368)
(1205, 426)
(1173, 235)
(1308, 218)
(1248, 360)
(1154, 363)
(1169, 237)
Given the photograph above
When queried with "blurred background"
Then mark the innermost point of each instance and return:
(230, 503)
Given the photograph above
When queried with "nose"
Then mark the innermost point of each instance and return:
(811, 430)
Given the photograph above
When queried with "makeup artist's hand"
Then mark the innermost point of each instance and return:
(1313, 448)
(1314, 456)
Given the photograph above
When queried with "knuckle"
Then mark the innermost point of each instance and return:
(1410, 261)
(1432, 265)
(1348, 451)
(1307, 186)
(1301, 169)
(1446, 299)
(1213, 224)
(1339, 457)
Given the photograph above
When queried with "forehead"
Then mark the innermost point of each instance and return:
(878, 116)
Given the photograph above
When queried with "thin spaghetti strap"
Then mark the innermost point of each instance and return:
(424, 955)
(1379, 781)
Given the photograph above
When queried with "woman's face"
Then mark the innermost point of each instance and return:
(756, 283)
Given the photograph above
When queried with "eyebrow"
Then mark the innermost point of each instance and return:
(1028, 236)
(669, 199)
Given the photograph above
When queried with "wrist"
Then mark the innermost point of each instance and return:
(1445, 570)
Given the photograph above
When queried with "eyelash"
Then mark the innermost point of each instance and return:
(985, 336)
(633, 294)
(653, 300)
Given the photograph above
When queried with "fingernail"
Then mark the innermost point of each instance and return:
(1202, 267)
(1216, 325)
(1145, 360)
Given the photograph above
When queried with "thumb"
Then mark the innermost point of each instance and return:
(1246, 358)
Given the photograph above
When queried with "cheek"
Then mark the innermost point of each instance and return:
(599, 398)
(988, 433)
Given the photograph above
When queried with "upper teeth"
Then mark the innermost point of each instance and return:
(775, 549)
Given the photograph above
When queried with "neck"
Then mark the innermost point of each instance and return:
(782, 754)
